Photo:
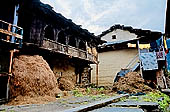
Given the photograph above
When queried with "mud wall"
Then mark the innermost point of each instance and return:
(110, 63)
(62, 67)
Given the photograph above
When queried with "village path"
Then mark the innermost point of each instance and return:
(57, 106)
(73, 103)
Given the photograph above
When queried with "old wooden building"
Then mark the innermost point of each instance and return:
(68, 48)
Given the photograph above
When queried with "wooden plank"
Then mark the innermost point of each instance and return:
(67, 50)
(11, 33)
(10, 24)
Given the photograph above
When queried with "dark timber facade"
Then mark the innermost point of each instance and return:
(62, 43)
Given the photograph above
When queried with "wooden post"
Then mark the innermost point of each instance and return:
(10, 71)
(97, 71)
(9, 30)
(11, 58)
(161, 81)
(9, 75)
(139, 59)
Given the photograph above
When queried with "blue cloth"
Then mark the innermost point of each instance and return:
(153, 45)
(149, 61)
(122, 73)
(159, 42)
(168, 60)
(168, 43)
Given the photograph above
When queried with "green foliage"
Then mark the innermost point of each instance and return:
(7, 111)
(123, 99)
(135, 98)
(100, 89)
(100, 96)
(88, 90)
(162, 99)
(76, 93)
(94, 97)
(92, 86)
(2, 111)
(11, 111)
(167, 73)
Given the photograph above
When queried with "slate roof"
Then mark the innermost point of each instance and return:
(57, 18)
(147, 34)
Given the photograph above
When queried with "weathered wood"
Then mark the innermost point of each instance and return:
(8, 30)
(68, 50)
(11, 58)
(10, 24)
(160, 79)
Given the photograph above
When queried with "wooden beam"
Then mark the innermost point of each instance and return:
(140, 59)
(10, 71)
(10, 33)
(97, 71)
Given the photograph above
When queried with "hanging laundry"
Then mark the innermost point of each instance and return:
(165, 45)
(144, 50)
(161, 52)
(160, 55)
(168, 43)
(144, 46)
(159, 42)
(168, 61)
(160, 47)
(153, 45)
(149, 61)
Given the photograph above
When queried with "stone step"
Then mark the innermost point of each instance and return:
(134, 103)
(97, 104)
(117, 109)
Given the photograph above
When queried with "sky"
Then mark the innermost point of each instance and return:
(99, 15)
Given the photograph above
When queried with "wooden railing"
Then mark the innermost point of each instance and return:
(68, 50)
(10, 33)
(134, 62)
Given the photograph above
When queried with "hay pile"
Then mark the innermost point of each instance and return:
(66, 83)
(32, 78)
(131, 83)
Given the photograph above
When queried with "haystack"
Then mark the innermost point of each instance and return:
(66, 83)
(32, 77)
(131, 83)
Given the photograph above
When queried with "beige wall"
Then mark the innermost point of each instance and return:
(120, 35)
(110, 63)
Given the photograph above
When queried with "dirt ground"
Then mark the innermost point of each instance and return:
(70, 99)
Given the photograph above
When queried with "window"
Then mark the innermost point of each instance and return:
(62, 37)
(49, 33)
(113, 36)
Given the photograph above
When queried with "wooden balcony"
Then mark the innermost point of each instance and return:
(68, 50)
(11, 33)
